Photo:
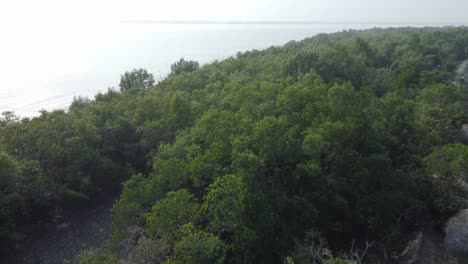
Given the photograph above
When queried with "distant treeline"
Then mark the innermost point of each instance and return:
(260, 158)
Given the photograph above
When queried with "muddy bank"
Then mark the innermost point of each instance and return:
(53, 243)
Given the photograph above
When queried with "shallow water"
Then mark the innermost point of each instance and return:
(47, 75)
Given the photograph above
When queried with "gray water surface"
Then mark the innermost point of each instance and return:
(94, 62)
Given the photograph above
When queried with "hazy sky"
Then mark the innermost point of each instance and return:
(32, 11)
(45, 39)
(327, 10)
(54, 32)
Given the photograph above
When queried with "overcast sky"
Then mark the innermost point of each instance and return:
(49, 38)
(324, 10)
(58, 26)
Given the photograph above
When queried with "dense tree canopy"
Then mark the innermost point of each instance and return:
(184, 66)
(140, 79)
(348, 134)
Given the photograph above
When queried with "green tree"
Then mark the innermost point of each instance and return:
(198, 247)
(137, 78)
(95, 256)
(447, 169)
(171, 213)
(149, 251)
(9, 116)
(225, 203)
(170, 175)
(225, 209)
(9, 197)
(184, 66)
(438, 111)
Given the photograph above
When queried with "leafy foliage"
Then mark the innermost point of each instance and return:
(184, 66)
(198, 247)
(140, 79)
(171, 213)
(344, 133)
(448, 166)
(95, 256)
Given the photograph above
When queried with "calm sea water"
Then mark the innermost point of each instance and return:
(150, 46)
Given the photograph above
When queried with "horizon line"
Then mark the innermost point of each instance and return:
(280, 22)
